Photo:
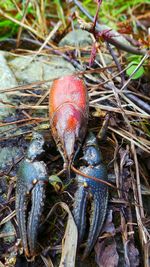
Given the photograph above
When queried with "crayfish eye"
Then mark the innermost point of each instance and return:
(77, 146)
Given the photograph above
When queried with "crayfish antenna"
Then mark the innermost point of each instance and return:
(69, 170)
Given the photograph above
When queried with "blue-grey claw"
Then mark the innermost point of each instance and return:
(79, 211)
(30, 195)
(90, 191)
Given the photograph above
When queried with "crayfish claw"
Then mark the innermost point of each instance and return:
(21, 208)
(98, 211)
(79, 212)
(38, 197)
(30, 195)
(90, 192)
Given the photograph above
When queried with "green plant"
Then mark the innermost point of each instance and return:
(134, 61)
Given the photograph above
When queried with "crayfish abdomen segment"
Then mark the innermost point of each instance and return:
(68, 89)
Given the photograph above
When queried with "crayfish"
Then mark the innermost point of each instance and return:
(68, 110)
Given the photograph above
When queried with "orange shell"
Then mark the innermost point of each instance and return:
(68, 111)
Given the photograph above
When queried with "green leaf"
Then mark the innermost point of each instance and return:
(131, 67)
(56, 182)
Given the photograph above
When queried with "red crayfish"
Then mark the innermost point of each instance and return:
(68, 110)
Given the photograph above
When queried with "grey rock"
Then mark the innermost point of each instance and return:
(7, 81)
(8, 155)
(78, 38)
(9, 230)
(20, 70)
(32, 69)
(7, 78)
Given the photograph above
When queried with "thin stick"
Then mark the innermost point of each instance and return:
(138, 66)
(91, 177)
(112, 40)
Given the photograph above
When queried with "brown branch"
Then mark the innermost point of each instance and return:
(112, 40)
(92, 178)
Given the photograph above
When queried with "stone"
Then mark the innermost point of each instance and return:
(77, 38)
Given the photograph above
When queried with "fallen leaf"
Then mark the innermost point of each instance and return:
(106, 253)
(108, 225)
(133, 255)
(69, 243)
